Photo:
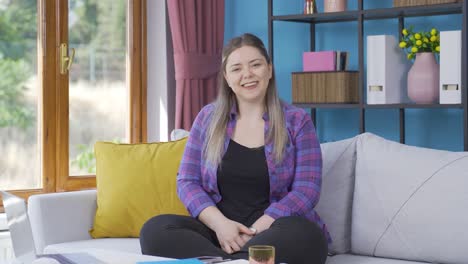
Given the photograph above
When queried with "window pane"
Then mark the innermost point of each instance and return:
(98, 94)
(19, 90)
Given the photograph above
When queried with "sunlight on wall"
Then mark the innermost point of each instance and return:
(160, 69)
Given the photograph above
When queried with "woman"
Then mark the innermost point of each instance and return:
(250, 173)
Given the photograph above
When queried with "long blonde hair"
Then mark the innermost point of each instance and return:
(226, 99)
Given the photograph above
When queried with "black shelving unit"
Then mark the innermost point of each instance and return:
(360, 15)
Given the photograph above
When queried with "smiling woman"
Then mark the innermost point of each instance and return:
(250, 173)
(248, 73)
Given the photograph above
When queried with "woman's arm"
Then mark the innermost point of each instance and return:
(263, 223)
(189, 178)
(305, 189)
(212, 218)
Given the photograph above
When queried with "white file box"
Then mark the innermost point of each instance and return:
(387, 70)
(450, 67)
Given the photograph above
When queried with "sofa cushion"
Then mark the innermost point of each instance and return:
(179, 133)
(410, 202)
(128, 245)
(334, 207)
(134, 183)
(53, 214)
(353, 259)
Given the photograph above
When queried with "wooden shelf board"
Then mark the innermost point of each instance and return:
(376, 106)
(372, 14)
(320, 17)
(326, 105)
(413, 11)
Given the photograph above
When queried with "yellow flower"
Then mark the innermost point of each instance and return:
(421, 41)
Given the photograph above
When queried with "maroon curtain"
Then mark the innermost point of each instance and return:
(197, 28)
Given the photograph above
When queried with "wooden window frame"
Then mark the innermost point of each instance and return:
(53, 30)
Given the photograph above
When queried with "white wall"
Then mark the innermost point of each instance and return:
(161, 83)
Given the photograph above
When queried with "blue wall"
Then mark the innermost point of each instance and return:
(434, 128)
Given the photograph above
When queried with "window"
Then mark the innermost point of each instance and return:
(97, 98)
(19, 93)
(49, 121)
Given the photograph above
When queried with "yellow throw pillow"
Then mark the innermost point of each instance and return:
(134, 183)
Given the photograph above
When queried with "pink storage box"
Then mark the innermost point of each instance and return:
(316, 61)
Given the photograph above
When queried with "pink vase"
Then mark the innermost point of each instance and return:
(423, 79)
(334, 5)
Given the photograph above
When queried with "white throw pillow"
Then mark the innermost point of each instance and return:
(336, 196)
(178, 133)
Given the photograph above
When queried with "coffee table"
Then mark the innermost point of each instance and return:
(117, 257)
(110, 256)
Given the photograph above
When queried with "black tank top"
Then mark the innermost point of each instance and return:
(244, 184)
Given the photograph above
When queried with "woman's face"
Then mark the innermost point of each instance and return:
(248, 74)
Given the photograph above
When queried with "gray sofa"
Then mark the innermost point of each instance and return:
(383, 202)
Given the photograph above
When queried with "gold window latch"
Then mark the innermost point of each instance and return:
(65, 60)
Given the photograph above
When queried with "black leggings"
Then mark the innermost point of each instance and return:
(296, 240)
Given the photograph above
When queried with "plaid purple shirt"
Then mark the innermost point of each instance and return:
(294, 183)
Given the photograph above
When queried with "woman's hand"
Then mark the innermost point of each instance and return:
(246, 238)
(263, 223)
(232, 235)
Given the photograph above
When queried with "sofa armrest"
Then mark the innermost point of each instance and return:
(61, 217)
